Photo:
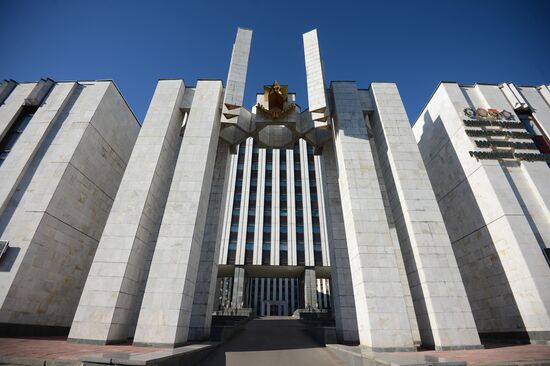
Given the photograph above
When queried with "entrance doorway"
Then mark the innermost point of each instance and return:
(275, 308)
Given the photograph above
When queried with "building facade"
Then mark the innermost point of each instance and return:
(279, 262)
(487, 151)
(64, 147)
(215, 208)
(275, 209)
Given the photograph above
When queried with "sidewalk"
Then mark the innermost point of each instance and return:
(496, 354)
(529, 354)
(56, 348)
(279, 349)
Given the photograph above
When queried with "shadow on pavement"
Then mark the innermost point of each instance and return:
(270, 341)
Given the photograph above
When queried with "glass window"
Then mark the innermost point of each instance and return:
(14, 132)
(299, 228)
(25, 119)
(250, 228)
(283, 245)
(284, 228)
(249, 245)
(267, 228)
(231, 254)
(316, 229)
(527, 120)
(233, 245)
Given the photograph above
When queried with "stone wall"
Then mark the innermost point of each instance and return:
(55, 221)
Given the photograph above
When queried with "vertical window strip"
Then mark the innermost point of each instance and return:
(15, 131)
(283, 227)
(252, 197)
(316, 225)
(266, 245)
(232, 247)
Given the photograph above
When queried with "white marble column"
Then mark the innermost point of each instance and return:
(237, 300)
(379, 299)
(421, 231)
(386, 194)
(342, 288)
(105, 311)
(166, 308)
(310, 289)
(203, 301)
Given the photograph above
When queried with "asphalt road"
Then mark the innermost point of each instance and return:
(279, 341)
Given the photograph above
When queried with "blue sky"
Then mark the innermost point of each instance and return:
(413, 43)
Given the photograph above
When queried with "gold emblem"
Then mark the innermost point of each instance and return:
(276, 97)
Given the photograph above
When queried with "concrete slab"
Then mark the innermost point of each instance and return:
(529, 354)
(187, 354)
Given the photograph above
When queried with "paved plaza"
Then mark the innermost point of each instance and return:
(272, 341)
(264, 341)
